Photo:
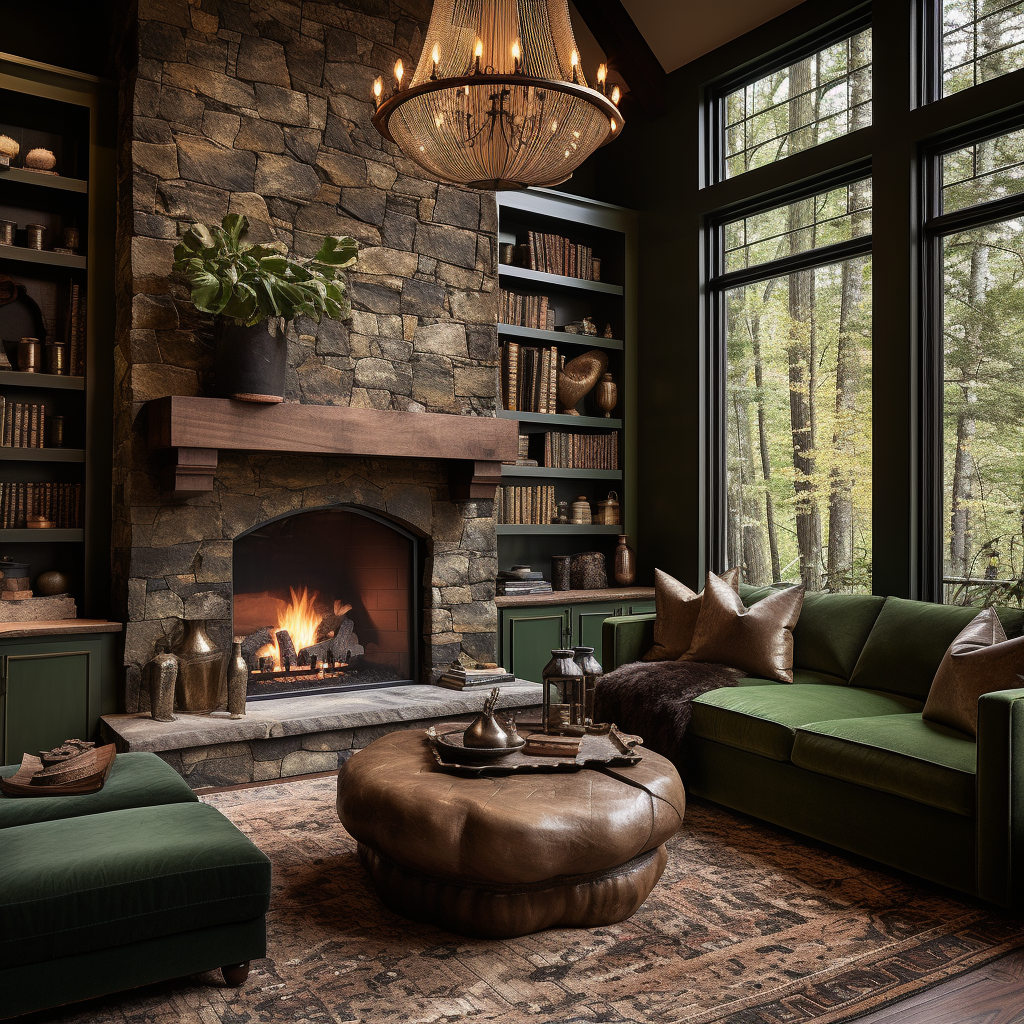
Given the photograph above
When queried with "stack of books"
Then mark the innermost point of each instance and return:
(24, 424)
(529, 378)
(521, 579)
(474, 678)
(581, 451)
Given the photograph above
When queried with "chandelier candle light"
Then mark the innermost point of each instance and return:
(498, 99)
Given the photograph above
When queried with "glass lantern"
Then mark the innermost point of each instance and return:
(592, 671)
(564, 695)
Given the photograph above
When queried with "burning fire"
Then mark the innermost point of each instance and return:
(300, 618)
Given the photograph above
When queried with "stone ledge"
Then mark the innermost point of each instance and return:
(298, 716)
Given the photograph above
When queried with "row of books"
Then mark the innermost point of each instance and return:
(529, 377)
(525, 505)
(556, 254)
(76, 330)
(526, 311)
(59, 504)
(581, 451)
(24, 424)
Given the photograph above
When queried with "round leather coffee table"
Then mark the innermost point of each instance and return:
(498, 857)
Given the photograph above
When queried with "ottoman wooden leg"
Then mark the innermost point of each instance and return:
(235, 974)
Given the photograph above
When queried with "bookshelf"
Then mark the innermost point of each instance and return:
(62, 297)
(567, 229)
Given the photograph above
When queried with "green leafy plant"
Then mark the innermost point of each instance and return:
(251, 282)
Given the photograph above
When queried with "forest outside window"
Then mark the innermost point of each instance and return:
(983, 374)
(981, 40)
(798, 396)
(810, 101)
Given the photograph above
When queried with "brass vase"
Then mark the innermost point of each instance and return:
(625, 563)
(199, 688)
(607, 395)
(161, 675)
(238, 680)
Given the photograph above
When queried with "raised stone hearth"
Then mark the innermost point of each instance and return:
(297, 736)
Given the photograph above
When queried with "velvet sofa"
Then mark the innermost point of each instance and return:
(137, 883)
(842, 753)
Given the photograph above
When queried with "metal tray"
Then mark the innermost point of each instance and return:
(602, 745)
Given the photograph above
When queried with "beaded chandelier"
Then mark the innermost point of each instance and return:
(498, 99)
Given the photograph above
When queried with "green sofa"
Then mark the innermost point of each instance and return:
(137, 883)
(842, 754)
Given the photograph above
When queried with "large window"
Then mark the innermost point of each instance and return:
(981, 40)
(798, 396)
(806, 103)
(983, 374)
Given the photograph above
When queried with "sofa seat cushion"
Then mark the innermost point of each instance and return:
(900, 754)
(136, 780)
(764, 719)
(99, 880)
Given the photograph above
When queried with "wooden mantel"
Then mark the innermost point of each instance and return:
(191, 431)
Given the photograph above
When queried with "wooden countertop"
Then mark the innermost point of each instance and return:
(575, 597)
(58, 627)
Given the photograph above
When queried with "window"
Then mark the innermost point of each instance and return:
(983, 376)
(798, 395)
(981, 40)
(804, 104)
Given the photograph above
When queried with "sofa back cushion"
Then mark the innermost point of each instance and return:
(909, 641)
(831, 631)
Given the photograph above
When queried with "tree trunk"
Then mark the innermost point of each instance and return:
(762, 438)
(748, 537)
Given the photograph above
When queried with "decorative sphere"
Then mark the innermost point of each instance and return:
(48, 584)
(40, 159)
(8, 147)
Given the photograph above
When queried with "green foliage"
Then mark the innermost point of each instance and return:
(250, 283)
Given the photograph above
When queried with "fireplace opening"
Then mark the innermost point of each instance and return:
(324, 601)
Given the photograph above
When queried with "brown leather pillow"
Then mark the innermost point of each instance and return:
(676, 608)
(757, 640)
(980, 660)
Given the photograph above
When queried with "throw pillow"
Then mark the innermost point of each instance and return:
(980, 660)
(758, 640)
(676, 608)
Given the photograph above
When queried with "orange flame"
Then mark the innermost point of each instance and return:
(300, 618)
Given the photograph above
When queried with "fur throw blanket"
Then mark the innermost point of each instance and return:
(653, 698)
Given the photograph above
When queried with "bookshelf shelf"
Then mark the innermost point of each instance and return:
(561, 420)
(21, 254)
(552, 530)
(24, 176)
(560, 337)
(546, 473)
(42, 455)
(35, 536)
(17, 379)
(535, 277)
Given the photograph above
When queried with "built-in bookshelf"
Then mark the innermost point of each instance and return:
(567, 267)
(56, 269)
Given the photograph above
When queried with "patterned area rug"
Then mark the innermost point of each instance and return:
(747, 926)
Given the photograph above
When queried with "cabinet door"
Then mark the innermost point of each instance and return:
(641, 608)
(528, 638)
(587, 620)
(49, 696)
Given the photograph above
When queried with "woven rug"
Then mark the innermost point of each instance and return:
(747, 926)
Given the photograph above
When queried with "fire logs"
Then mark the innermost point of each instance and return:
(254, 642)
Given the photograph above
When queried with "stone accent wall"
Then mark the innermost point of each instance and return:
(263, 107)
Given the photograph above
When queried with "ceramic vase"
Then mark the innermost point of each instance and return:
(625, 563)
(238, 680)
(160, 676)
(200, 671)
(607, 396)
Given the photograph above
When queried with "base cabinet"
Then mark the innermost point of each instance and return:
(530, 634)
(53, 690)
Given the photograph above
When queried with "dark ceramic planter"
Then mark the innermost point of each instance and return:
(249, 362)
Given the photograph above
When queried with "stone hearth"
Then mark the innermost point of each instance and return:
(280, 738)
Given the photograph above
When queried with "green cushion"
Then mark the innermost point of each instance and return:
(799, 676)
(101, 880)
(136, 780)
(908, 642)
(764, 719)
(899, 754)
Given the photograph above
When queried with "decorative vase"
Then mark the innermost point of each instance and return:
(199, 687)
(238, 680)
(563, 696)
(249, 363)
(591, 669)
(587, 571)
(578, 377)
(607, 394)
(485, 731)
(160, 675)
(560, 576)
(625, 563)
(581, 515)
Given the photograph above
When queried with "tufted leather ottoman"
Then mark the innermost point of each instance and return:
(498, 857)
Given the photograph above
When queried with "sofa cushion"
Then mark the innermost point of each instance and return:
(910, 639)
(764, 719)
(101, 880)
(676, 610)
(901, 754)
(136, 780)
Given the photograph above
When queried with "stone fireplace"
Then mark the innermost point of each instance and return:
(263, 107)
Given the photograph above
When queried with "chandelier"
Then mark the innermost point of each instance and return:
(498, 99)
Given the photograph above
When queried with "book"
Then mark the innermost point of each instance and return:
(540, 744)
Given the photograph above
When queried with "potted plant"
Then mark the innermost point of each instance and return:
(252, 289)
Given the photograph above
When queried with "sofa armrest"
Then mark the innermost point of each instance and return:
(626, 638)
(1000, 797)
